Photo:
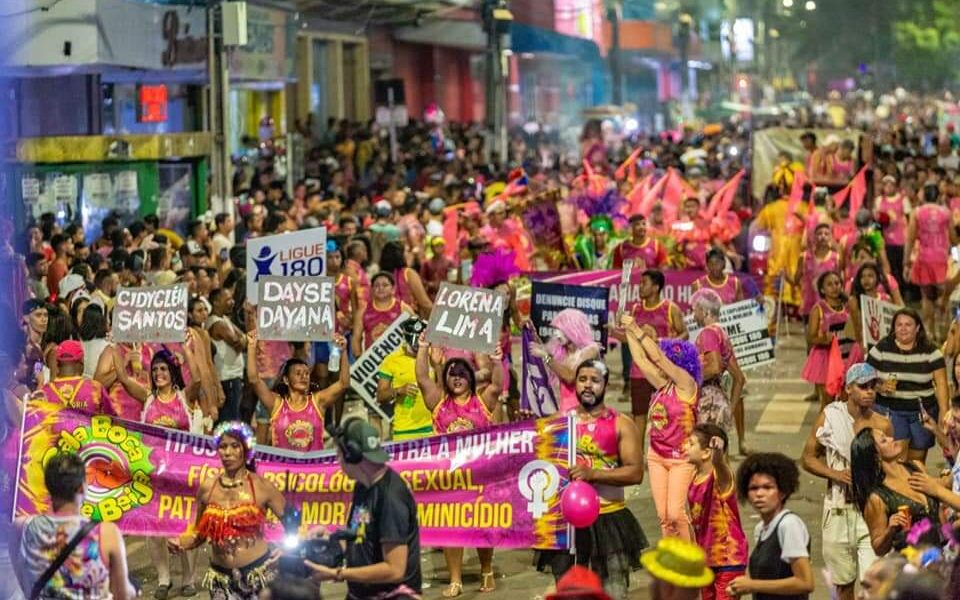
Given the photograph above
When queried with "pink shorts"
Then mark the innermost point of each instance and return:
(925, 272)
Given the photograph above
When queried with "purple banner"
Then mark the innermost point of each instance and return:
(497, 487)
(678, 288)
(536, 393)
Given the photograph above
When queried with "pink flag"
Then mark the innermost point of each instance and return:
(858, 191)
(621, 171)
(636, 194)
(723, 198)
(652, 195)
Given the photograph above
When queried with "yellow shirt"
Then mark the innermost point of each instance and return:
(411, 418)
(785, 247)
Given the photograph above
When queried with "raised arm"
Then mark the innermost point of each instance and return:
(356, 340)
(639, 355)
(432, 395)
(130, 384)
(264, 394)
(419, 293)
(678, 329)
(335, 390)
(491, 394)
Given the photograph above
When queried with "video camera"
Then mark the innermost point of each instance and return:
(326, 551)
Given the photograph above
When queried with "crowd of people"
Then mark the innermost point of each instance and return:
(847, 221)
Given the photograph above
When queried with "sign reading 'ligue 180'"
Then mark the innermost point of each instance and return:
(296, 309)
(466, 318)
(298, 254)
(151, 314)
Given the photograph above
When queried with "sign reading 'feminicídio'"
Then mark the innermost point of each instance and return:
(151, 314)
(466, 318)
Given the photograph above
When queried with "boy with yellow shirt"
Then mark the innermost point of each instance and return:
(398, 386)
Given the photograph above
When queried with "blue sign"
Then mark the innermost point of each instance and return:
(548, 299)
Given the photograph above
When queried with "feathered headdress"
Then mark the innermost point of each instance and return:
(493, 268)
(610, 204)
(683, 354)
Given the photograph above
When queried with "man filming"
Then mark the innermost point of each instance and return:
(384, 560)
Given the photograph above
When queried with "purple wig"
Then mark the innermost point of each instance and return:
(683, 354)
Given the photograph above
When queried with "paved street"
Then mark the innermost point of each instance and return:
(778, 419)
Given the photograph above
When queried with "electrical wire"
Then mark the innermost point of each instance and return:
(31, 10)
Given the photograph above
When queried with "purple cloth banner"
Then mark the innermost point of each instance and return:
(678, 288)
(496, 487)
(536, 393)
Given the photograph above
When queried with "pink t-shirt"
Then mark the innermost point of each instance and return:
(933, 233)
(714, 339)
(715, 518)
(895, 234)
(79, 393)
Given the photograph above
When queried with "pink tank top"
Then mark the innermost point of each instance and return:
(341, 290)
(726, 290)
(715, 518)
(451, 417)
(122, 404)
(79, 393)
(649, 252)
(895, 234)
(658, 317)
(933, 233)
(172, 413)
(671, 421)
(297, 429)
(714, 339)
(598, 447)
(375, 322)
(813, 268)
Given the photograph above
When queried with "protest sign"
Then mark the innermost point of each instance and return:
(536, 393)
(746, 325)
(678, 287)
(296, 309)
(298, 254)
(548, 299)
(876, 319)
(151, 314)
(363, 372)
(466, 318)
(496, 487)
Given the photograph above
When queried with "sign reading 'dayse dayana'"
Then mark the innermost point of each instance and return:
(296, 254)
(151, 314)
(466, 318)
(296, 309)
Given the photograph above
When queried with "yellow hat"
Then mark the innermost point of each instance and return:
(678, 562)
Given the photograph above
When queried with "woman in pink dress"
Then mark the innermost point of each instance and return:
(890, 208)
(814, 263)
(572, 344)
(457, 406)
(169, 403)
(927, 253)
(295, 408)
(828, 319)
(866, 283)
(372, 319)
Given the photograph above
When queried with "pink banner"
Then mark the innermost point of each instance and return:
(497, 487)
(678, 288)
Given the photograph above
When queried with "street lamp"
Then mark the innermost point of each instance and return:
(810, 5)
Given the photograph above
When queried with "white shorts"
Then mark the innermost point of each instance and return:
(847, 551)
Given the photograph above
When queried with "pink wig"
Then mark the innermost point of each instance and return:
(575, 326)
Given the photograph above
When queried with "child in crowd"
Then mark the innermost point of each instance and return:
(714, 514)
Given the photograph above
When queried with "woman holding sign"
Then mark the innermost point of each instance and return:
(717, 358)
(371, 320)
(296, 408)
(168, 403)
(457, 406)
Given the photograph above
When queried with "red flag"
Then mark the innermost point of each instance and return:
(835, 369)
(723, 198)
(675, 191)
(858, 191)
(636, 195)
(621, 171)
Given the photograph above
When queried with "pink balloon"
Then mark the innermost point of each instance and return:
(580, 504)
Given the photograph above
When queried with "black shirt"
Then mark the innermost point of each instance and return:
(384, 513)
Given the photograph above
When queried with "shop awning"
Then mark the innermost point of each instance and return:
(534, 40)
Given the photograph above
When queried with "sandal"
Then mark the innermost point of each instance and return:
(488, 582)
(162, 592)
(188, 591)
(453, 590)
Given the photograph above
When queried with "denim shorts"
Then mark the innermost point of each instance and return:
(907, 425)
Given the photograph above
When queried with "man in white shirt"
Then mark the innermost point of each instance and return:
(230, 343)
(223, 238)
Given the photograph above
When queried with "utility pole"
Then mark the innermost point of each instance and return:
(685, 21)
(218, 107)
(496, 23)
(616, 69)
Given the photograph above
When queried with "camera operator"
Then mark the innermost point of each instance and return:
(384, 561)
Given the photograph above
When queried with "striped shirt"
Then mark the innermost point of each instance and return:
(913, 370)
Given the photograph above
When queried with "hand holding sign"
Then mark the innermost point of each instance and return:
(466, 318)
